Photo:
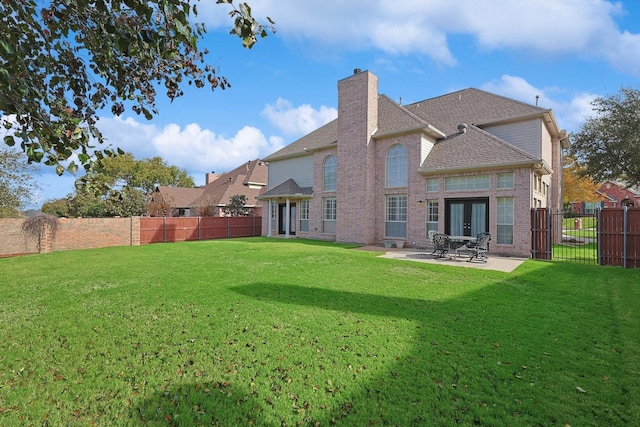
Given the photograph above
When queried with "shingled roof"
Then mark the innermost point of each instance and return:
(248, 179)
(440, 118)
(474, 149)
(472, 106)
(287, 188)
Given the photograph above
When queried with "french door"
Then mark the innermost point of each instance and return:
(466, 217)
(282, 218)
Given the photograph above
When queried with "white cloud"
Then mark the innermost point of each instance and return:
(583, 28)
(196, 149)
(299, 120)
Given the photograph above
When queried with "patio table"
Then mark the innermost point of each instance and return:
(456, 242)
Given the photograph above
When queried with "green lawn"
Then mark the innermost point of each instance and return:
(270, 332)
(577, 252)
(587, 222)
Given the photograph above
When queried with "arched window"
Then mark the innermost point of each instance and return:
(397, 166)
(330, 168)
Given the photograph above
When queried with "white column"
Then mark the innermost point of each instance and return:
(269, 210)
(286, 220)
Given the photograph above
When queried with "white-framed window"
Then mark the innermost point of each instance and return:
(273, 214)
(433, 185)
(432, 215)
(396, 166)
(330, 173)
(395, 224)
(505, 220)
(329, 215)
(470, 182)
(304, 215)
(505, 180)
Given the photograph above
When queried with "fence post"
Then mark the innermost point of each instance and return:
(164, 229)
(228, 228)
(599, 235)
(624, 236)
(199, 228)
(535, 232)
(549, 234)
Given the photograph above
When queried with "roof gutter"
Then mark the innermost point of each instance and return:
(428, 129)
(539, 166)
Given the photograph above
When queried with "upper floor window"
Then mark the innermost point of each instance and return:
(397, 166)
(505, 180)
(330, 178)
(433, 185)
(469, 182)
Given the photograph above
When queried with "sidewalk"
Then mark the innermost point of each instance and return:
(497, 263)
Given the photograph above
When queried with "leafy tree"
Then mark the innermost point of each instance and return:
(144, 175)
(87, 204)
(16, 182)
(121, 186)
(62, 62)
(237, 206)
(126, 202)
(576, 186)
(58, 208)
(608, 145)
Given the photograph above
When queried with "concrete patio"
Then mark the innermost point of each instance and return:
(498, 263)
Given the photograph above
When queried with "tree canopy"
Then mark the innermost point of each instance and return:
(16, 182)
(576, 187)
(118, 186)
(62, 62)
(237, 206)
(608, 144)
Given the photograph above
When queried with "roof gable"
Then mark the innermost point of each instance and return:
(474, 149)
(288, 188)
(220, 191)
(324, 136)
(179, 197)
(471, 106)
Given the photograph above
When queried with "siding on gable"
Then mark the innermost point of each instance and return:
(524, 135)
(298, 168)
(547, 147)
(425, 148)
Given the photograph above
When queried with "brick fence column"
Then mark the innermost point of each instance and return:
(135, 231)
(46, 240)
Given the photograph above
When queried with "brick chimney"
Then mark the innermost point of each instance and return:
(357, 121)
(210, 177)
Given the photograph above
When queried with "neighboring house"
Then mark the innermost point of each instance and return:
(248, 179)
(615, 195)
(461, 164)
(618, 195)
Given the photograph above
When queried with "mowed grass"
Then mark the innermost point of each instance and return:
(270, 332)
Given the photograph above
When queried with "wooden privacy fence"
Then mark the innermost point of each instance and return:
(617, 235)
(169, 229)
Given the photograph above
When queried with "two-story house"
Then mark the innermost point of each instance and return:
(462, 163)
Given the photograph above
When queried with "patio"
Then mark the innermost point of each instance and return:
(494, 262)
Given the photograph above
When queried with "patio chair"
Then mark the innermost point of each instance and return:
(441, 245)
(477, 248)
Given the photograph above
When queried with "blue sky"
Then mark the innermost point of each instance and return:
(566, 52)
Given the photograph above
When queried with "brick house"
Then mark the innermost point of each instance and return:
(248, 179)
(462, 163)
(614, 195)
(617, 195)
